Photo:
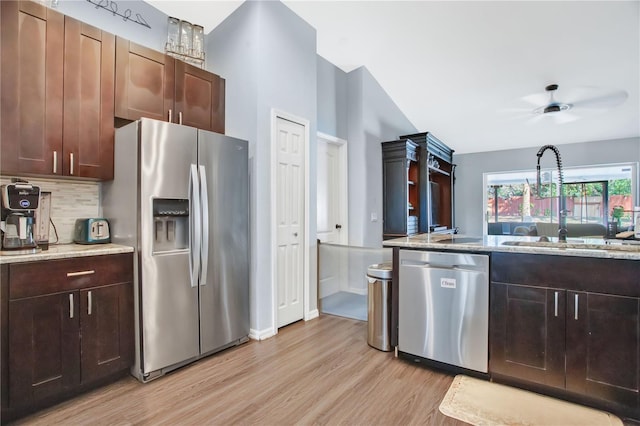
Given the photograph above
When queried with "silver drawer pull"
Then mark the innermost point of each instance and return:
(55, 162)
(89, 303)
(575, 316)
(71, 306)
(555, 309)
(71, 161)
(80, 273)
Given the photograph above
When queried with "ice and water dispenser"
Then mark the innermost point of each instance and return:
(171, 224)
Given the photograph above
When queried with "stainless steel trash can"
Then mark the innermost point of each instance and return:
(379, 306)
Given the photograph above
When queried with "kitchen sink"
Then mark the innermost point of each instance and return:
(573, 244)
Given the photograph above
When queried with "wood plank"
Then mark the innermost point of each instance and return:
(320, 371)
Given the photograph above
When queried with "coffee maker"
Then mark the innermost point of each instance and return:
(19, 204)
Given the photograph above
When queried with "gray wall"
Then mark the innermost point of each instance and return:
(268, 56)
(373, 118)
(154, 37)
(469, 191)
(332, 99)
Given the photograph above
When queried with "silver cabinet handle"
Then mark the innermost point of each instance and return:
(180, 117)
(80, 273)
(89, 303)
(575, 314)
(555, 309)
(71, 166)
(170, 116)
(55, 162)
(71, 306)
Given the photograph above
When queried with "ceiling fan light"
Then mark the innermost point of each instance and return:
(552, 108)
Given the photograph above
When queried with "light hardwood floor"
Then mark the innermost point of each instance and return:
(316, 372)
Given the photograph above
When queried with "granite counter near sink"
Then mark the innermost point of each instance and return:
(581, 247)
(64, 251)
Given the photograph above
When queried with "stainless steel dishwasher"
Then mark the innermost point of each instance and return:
(443, 307)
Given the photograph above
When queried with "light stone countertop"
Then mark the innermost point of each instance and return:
(581, 247)
(64, 251)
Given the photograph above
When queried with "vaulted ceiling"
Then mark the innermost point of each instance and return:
(472, 72)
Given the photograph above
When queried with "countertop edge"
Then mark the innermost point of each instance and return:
(488, 245)
(66, 251)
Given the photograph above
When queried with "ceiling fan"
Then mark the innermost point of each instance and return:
(570, 104)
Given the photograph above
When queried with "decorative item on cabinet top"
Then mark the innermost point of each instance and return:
(185, 41)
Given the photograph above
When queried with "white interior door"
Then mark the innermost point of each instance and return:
(332, 190)
(290, 177)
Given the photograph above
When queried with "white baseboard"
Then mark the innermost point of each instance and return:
(261, 334)
(311, 315)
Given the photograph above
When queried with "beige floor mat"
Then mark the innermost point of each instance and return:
(481, 402)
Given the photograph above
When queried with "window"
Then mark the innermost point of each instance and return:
(593, 194)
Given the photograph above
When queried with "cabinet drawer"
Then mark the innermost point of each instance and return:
(52, 276)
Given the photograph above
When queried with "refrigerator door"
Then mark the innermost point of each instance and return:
(169, 298)
(224, 288)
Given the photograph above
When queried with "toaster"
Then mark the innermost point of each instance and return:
(91, 231)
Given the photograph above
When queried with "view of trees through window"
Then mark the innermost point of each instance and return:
(591, 195)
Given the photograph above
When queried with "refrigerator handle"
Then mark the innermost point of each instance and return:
(194, 225)
(205, 225)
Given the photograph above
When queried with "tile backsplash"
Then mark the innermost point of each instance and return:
(70, 200)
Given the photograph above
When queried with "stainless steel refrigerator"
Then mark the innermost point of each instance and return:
(180, 197)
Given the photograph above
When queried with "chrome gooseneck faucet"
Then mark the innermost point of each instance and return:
(562, 210)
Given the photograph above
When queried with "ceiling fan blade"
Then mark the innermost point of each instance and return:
(536, 99)
(535, 119)
(564, 117)
(606, 100)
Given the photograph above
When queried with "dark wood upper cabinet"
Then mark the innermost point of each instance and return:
(32, 44)
(88, 101)
(144, 82)
(154, 85)
(199, 98)
(57, 94)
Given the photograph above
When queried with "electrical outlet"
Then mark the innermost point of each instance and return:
(374, 217)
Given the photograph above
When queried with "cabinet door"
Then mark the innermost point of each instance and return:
(603, 340)
(107, 330)
(527, 333)
(394, 188)
(88, 101)
(32, 44)
(144, 82)
(44, 347)
(199, 98)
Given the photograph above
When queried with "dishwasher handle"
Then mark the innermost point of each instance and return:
(433, 265)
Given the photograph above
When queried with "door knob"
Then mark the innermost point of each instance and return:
(338, 226)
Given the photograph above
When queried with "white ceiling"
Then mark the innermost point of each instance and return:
(459, 68)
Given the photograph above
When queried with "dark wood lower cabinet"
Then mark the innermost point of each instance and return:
(69, 327)
(553, 325)
(527, 333)
(44, 347)
(106, 330)
(602, 346)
